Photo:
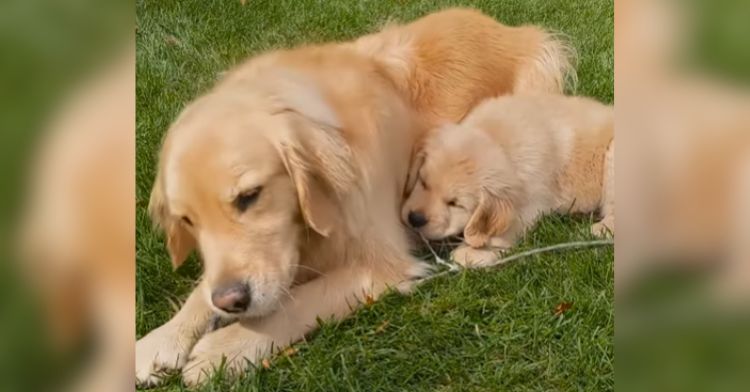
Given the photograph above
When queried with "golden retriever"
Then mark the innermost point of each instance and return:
(512, 159)
(288, 178)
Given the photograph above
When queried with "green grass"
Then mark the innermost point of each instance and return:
(476, 330)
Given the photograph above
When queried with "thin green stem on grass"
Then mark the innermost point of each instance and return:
(531, 252)
(451, 266)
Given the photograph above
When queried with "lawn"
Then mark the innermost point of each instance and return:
(501, 329)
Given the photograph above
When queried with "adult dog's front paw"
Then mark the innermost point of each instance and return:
(239, 345)
(470, 257)
(162, 350)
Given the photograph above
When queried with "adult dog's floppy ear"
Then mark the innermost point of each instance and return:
(316, 156)
(179, 241)
(492, 217)
(417, 160)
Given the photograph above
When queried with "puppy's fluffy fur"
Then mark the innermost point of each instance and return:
(319, 139)
(512, 159)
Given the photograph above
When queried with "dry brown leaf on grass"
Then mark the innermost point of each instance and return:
(369, 300)
(287, 352)
(382, 326)
(562, 307)
(172, 40)
(243, 2)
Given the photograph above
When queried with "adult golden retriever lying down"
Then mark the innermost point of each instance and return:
(288, 176)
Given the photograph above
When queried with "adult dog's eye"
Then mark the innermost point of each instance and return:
(187, 221)
(246, 199)
(452, 203)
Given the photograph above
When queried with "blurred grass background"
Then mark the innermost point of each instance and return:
(48, 48)
(478, 330)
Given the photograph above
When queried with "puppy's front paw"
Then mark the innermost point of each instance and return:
(501, 243)
(236, 346)
(604, 228)
(470, 257)
(162, 350)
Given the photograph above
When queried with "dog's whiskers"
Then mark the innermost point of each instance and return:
(288, 294)
(286, 291)
(317, 271)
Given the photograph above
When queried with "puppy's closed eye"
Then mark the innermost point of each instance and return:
(245, 199)
(423, 182)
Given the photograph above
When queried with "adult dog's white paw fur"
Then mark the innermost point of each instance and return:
(235, 345)
(163, 350)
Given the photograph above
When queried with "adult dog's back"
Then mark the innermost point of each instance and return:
(449, 61)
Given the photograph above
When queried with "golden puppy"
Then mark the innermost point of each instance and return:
(512, 159)
(288, 177)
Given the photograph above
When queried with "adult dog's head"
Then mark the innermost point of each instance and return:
(460, 181)
(247, 174)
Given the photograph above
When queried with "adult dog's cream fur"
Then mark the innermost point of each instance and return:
(512, 159)
(322, 137)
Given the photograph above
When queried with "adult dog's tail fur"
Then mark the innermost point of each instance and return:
(551, 69)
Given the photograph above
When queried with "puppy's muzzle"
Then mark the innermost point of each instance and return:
(416, 219)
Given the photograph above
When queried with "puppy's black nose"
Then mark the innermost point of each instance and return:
(416, 219)
(233, 298)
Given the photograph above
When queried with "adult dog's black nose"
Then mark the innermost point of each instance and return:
(416, 219)
(233, 298)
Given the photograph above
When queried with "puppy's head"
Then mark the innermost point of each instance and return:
(247, 178)
(459, 181)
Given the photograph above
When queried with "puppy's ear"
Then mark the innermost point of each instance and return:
(179, 241)
(492, 217)
(417, 160)
(317, 158)
(419, 154)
